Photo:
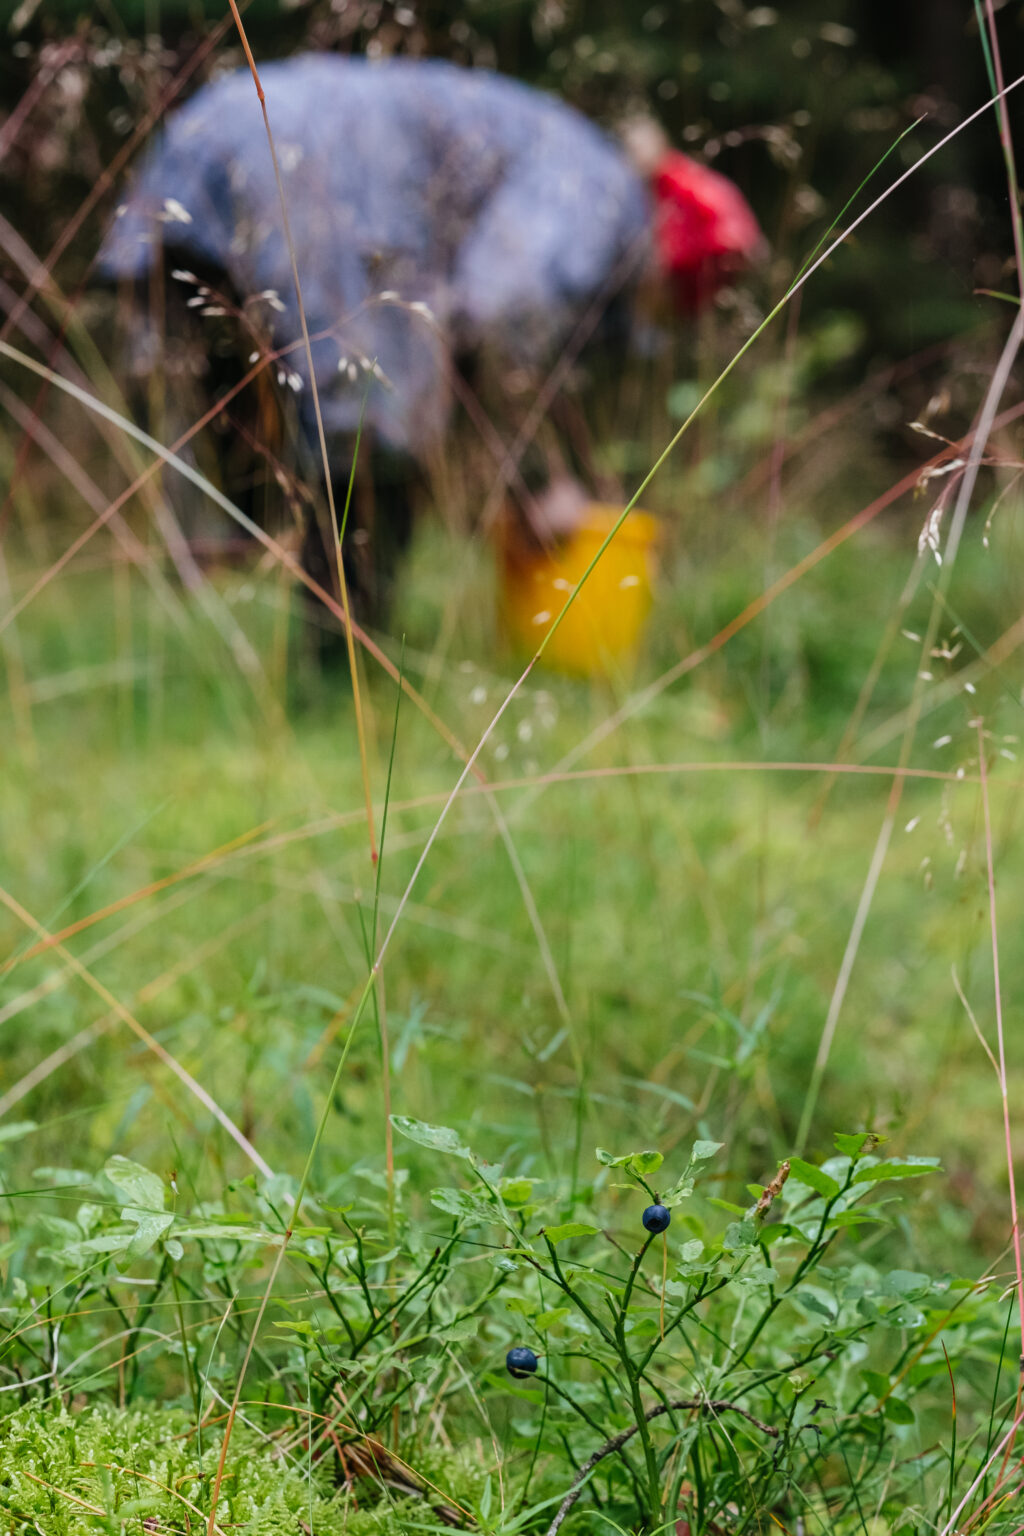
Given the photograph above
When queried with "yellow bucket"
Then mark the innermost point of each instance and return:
(603, 628)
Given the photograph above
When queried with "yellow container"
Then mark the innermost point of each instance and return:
(602, 630)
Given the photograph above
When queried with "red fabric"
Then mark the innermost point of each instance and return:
(704, 229)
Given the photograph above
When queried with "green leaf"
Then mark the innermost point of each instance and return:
(440, 1138)
(149, 1225)
(173, 1249)
(896, 1168)
(545, 1320)
(739, 1234)
(703, 1150)
(570, 1230)
(636, 1162)
(762, 1274)
(814, 1178)
(856, 1145)
(460, 1202)
(459, 1331)
(516, 1192)
(17, 1129)
(135, 1185)
(898, 1411)
(905, 1282)
(876, 1383)
(775, 1231)
(72, 1253)
(592, 1277)
(851, 1219)
(242, 1232)
(815, 1304)
(693, 1251)
(509, 1388)
(520, 1304)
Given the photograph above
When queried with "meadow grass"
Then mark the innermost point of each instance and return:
(631, 937)
(682, 909)
(694, 912)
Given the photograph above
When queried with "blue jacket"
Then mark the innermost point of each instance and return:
(500, 209)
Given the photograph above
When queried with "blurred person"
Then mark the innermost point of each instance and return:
(456, 232)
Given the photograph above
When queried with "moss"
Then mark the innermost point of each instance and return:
(105, 1469)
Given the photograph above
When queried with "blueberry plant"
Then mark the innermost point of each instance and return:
(672, 1360)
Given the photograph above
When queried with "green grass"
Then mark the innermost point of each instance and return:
(692, 918)
(650, 889)
(640, 950)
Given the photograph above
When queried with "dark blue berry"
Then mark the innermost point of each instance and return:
(521, 1361)
(657, 1217)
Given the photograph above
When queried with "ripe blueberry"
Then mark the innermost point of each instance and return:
(656, 1218)
(521, 1361)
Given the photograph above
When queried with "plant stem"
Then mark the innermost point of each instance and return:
(635, 1376)
(616, 1443)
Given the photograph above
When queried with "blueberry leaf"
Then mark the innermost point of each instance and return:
(636, 1162)
(814, 1178)
(135, 1184)
(440, 1138)
(896, 1168)
(460, 1202)
(857, 1145)
(570, 1229)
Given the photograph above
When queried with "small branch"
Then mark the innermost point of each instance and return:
(704, 1405)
